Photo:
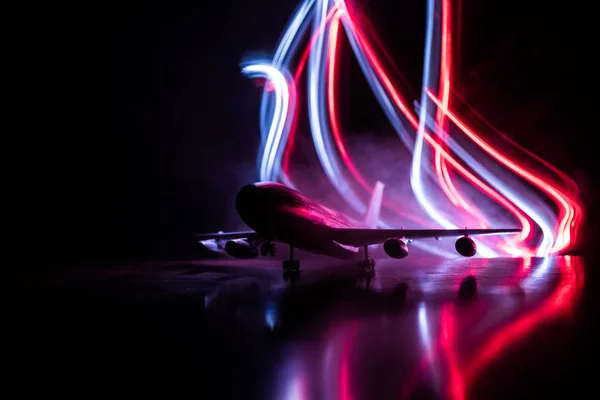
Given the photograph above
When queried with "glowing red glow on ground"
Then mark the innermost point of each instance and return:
(456, 388)
(463, 375)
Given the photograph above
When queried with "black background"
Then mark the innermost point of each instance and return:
(149, 128)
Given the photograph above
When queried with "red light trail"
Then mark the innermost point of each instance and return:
(544, 231)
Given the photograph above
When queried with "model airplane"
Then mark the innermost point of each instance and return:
(277, 213)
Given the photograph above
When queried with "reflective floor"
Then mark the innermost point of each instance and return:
(424, 328)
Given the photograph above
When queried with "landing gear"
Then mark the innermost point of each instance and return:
(291, 267)
(291, 275)
(366, 267)
(268, 248)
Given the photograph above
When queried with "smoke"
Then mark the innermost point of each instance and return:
(377, 158)
(419, 188)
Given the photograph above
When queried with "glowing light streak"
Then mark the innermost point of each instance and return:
(365, 58)
(279, 107)
(444, 89)
(375, 73)
(415, 175)
(567, 210)
(445, 73)
(485, 188)
(333, 35)
(298, 73)
(317, 113)
(326, 156)
(570, 185)
(292, 33)
(286, 46)
(400, 103)
(514, 198)
(268, 168)
(354, 36)
(416, 160)
(567, 180)
(335, 127)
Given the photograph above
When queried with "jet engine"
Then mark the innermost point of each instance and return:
(210, 247)
(465, 246)
(240, 248)
(395, 248)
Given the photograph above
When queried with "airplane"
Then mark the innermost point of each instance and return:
(278, 213)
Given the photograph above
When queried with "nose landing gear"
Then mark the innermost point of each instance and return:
(366, 268)
(291, 267)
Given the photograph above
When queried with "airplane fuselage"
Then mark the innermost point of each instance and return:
(279, 213)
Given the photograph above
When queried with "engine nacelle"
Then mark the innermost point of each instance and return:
(240, 248)
(395, 248)
(210, 247)
(465, 246)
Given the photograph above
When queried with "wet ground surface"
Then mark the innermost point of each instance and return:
(235, 329)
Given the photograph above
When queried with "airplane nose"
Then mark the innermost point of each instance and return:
(246, 201)
(246, 193)
(254, 205)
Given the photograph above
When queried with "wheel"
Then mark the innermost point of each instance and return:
(295, 265)
(268, 248)
(264, 249)
(366, 265)
(291, 265)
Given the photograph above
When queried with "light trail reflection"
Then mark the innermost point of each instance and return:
(434, 346)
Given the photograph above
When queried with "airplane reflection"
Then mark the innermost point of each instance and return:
(447, 353)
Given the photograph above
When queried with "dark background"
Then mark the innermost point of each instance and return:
(150, 128)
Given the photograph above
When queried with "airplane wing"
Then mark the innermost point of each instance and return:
(363, 237)
(250, 235)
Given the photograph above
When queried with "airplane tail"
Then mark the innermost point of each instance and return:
(372, 215)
